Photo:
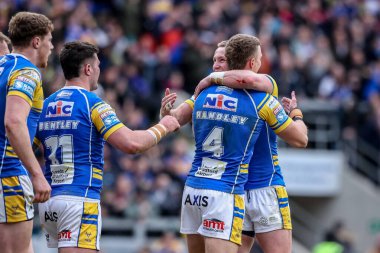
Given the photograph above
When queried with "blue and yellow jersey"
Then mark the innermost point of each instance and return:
(73, 127)
(226, 125)
(264, 168)
(18, 77)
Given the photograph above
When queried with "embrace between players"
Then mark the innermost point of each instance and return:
(235, 167)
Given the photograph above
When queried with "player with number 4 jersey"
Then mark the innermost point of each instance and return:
(213, 201)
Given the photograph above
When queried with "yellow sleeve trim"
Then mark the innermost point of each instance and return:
(263, 102)
(21, 95)
(36, 141)
(112, 130)
(97, 176)
(244, 171)
(190, 102)
(283, 126)
(274, 86)
(7, 153)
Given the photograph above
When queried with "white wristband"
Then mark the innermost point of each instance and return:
(217, 77)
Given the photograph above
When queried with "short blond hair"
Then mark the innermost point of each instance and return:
(223, 43)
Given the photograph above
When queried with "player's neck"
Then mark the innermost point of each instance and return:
(30, 54)
(78, 82)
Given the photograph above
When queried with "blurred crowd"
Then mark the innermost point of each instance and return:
(327, 50)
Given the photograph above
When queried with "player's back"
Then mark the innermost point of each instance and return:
(226, 125)
(73, 147)
(18, 77)
(264, 168)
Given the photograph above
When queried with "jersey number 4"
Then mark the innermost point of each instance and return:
(66, 144)
(214, 142)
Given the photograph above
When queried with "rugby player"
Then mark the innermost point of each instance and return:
(264, 164)
(20, 106)
(291, 134)
(73, 127)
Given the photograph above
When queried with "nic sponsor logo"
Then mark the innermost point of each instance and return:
(59, 109)
(214, 225)
(220, 101)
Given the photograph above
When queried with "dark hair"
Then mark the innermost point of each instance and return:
(239, 49)
(26, 25)
(73, 55)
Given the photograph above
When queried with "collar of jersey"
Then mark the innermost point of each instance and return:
(21, 55)
(73, 87)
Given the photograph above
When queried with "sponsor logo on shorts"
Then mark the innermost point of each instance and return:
(263, 221)
(214, 225)
(47, 236)
(64, 235)
(273, 219)
(88, 235)
(51, 216)
(196, 200)
(15, 210)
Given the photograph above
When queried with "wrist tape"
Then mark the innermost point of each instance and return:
(158, 132)
(217, 77)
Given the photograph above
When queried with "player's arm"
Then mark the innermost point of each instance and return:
(182, 113)
(295, 134)
(16, 113)
(291, 107)
(290, 128)
(125, 139)
(237, 79)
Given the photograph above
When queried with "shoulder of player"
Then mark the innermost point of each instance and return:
(29, 72)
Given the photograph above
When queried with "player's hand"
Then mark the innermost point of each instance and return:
(203, 84)
(289, 104)
(170, 123)
(167, 102)
(41, 188)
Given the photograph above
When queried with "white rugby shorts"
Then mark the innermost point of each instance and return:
(70, 221)
(212, 214)
(16, 199)
(267, 209)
